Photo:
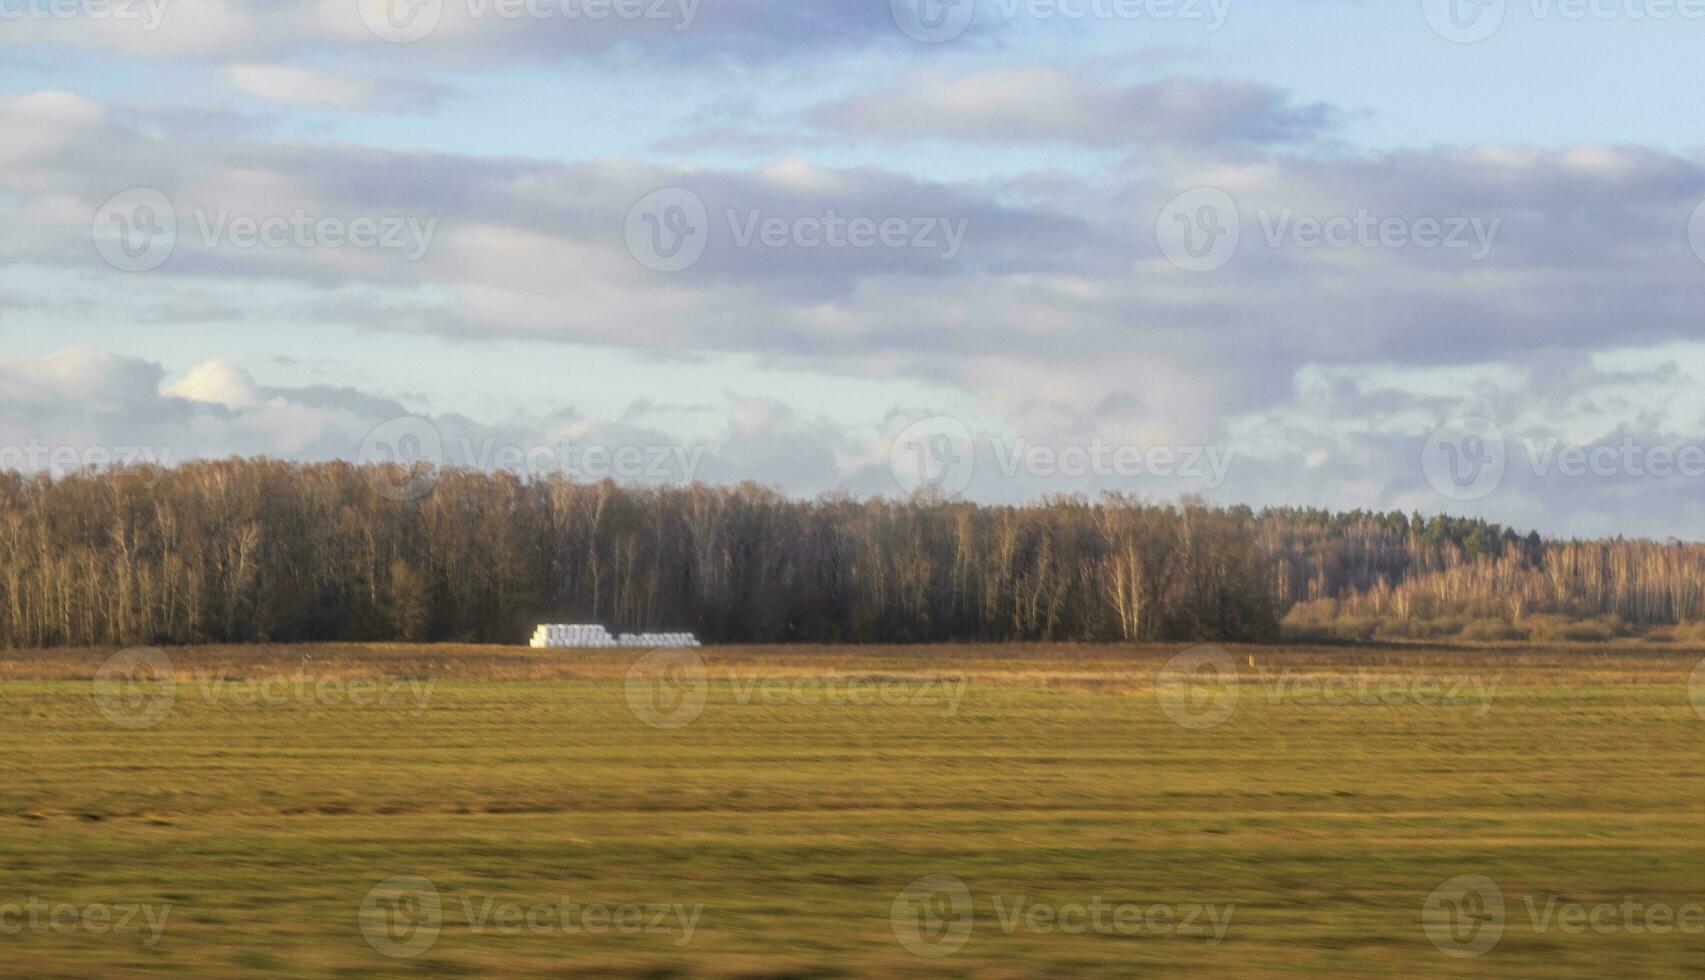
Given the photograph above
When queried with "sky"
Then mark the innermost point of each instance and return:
(1428, 255)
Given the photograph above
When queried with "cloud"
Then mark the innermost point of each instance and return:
(1343, 437)
(217, 382)
(470, 33)
(41, 124)
(301, 86)
(82, 407)
(1059, 314)
(1043, 103)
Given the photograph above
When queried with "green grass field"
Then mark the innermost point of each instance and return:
(567, 832)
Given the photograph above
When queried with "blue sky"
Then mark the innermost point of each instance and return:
(1065, 150)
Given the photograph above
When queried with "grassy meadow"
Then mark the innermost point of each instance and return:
(765, 812)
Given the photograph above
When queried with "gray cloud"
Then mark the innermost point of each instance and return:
(1042, 103)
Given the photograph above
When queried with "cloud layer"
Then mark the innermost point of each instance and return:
(1062, 252)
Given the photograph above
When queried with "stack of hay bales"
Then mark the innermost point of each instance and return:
(552, 636)
(580, 637)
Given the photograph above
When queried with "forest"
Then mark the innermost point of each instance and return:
(258, 550)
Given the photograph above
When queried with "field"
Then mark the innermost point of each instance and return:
(1076, 810)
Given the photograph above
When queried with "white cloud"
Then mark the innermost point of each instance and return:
(217, 382)
(301, 86)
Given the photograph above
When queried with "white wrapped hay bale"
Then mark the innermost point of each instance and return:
(593, 637)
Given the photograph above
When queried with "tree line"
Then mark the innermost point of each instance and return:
(260, 550)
